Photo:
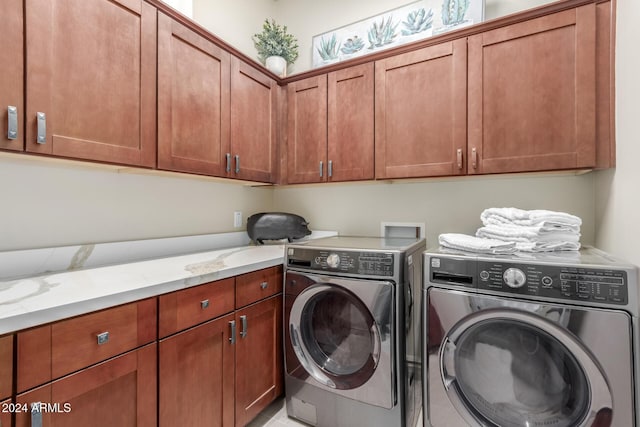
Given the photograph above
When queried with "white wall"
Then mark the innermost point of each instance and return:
(618, 190)
(45, 203)
(452, 205)
(235, 22)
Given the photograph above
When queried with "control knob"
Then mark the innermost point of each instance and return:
(333, 260)
(514, 278)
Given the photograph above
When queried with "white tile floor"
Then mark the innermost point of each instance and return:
(276, 416)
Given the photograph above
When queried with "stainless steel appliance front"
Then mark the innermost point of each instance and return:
(542, 350)
(352, 316)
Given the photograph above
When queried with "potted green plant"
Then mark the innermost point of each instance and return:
(276, 48)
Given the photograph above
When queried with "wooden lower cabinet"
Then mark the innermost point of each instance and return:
(5, 414)
(258, 358)
(196, 376)
(6, 366)
(211, 376)
(118, 392)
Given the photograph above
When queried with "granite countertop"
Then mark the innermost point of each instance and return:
(31, 301)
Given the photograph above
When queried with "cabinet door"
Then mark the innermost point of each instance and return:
(350, 124)
(307, 130)
(197, 376)
(253, 123)
(119, 392)
(6, 366)
(532, 94)
(421, 112)
(11, 75)
(258, 358)
(5, 415)
(91, 67)
(193, 101)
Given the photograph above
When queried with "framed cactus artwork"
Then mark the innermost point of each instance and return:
(414, 21)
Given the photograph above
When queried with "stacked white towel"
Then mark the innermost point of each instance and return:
(533, 230)
(464, 242)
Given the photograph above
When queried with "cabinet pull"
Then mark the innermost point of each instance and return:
(264, 285)
(103, 338)
(243, 332)
(474, 158)
(42, 128)
(36, 414)
(237, 157)
(459, 157)
(228, 156)
(12, 122)
(330, 168)
(232, 338)
(321, 168)
(204, 304)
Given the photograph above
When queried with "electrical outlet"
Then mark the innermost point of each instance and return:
(237, 219)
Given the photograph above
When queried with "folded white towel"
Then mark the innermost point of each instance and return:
(543, 227)
(514, 233)
(547, 246)
(468, 243)
(540, 217)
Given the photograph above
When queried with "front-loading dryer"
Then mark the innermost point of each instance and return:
(530, 340)
(352, 331)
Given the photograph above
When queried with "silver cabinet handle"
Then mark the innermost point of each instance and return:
(36, 414)
(321, 168)
(330, 168)
(42, 128)
(12, 122)
(228, 156)
(232, 338)
(264, 285)
(459, 157)
(243, 332)
(237, 158)
(204, 304)
(474, 158)
(103, 338)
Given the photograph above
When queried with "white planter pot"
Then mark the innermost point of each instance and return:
(277, 65)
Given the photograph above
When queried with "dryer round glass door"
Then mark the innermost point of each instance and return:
(507, 367)
(335, 336)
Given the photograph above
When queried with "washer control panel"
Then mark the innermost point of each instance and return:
(349, 262)
(551, 281)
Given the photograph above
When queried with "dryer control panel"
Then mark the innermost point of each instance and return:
(558, 282)
(349, 262)
(597, 284)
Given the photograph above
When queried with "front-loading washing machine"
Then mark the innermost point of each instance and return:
(544, 340)
(352, 331)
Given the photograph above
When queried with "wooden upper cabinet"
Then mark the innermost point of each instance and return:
(605, 87)
(253, 123)
(350, 124)
(12, 76)
(193, 101)
(421, 115)
(532, 94)
(90, 79)
(307, 130)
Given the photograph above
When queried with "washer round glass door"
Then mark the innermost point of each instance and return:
(507, 367)
(335, 336)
